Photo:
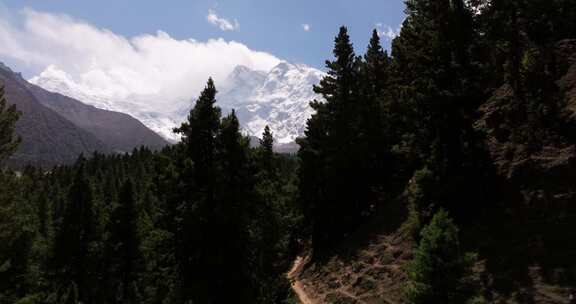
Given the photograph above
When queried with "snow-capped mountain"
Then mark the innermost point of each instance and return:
(278, 98)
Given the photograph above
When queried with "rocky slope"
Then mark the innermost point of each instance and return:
(366, 267)
(528, 257)
(279, 98)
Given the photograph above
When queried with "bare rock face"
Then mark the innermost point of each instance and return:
(544, 175)
(566, 53)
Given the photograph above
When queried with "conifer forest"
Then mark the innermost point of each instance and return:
(460, 141)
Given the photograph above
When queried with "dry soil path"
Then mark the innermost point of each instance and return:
(296, 284)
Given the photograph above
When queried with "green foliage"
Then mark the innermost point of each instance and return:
(108, 229)
(267, 152)
(229, 222)
(439, 270)
(477, 300)
(346, 153)
(123, 246)
(76, 246)
(8, 117)
(325, 169)
(210, 220)
(421, 187)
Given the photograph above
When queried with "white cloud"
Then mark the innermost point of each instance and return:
(387, 31)
(306, 27)
(118, 66)
(222, 23)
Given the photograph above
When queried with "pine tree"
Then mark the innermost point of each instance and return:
(328, 172)
(273, 220)
(199, 135)
(16, 235)
(8, 117)
(438, 272)
(439, 88)
(376, 67)
(501, 21)
(236, 194)
(339, 87)
(267, 152)
(195, 232)
(232, 148)
(376, 134)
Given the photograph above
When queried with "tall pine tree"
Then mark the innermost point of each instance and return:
(376, 117)
(376, 67)
(328, 172)
(193, 236)
(230, 223)
(267, 152)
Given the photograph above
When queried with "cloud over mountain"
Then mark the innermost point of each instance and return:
(119, 66)
(155, 77)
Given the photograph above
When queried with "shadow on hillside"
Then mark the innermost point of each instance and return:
(385, 220)
(528, 258)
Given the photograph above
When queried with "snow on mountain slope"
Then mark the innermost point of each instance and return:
(278, 98)
(162, 121)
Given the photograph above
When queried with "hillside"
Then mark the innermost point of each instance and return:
(119, 131)
(47, 137)
(56, 129)
(524, 241)
(366, 267)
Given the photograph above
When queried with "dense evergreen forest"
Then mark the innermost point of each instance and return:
(212, 220)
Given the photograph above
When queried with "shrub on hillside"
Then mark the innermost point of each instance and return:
(439, 272)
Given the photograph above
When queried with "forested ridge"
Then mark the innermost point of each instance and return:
(467, 125)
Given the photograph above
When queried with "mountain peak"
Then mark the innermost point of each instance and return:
(279, 99)
(5, 67)
(284, 65)
(241, 69)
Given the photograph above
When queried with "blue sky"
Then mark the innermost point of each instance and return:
(271, 26)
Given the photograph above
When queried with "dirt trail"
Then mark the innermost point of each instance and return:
(295, 283)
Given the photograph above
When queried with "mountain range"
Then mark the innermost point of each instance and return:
(278, 98)
(55, 129)
(62, 119)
